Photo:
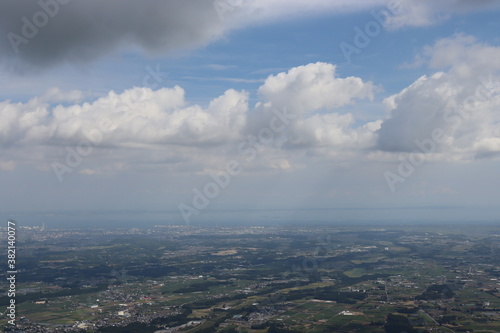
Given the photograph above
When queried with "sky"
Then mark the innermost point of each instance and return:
(249, 111)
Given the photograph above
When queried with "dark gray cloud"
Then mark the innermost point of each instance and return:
(43, 33)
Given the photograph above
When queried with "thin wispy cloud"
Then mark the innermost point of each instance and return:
(227, 79)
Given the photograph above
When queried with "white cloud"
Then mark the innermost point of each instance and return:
(309, 88)
(160, 127)
(312, 93)
(20, 121)
(416, 111)
(136, 116)
(464, 55)
(462, 102)
(146, 121)
(332, 130)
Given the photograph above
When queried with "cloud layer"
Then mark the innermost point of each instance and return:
(46, 33)
(451, 115)
(462, 102)
(136, 116)
(145, 119)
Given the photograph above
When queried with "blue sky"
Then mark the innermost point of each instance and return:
(171, 109)
(253, 53)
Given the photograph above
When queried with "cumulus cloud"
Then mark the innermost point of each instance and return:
(141, 119)
(332, 130)
(460, 103)
(314, 95)
(461, 100)
(464, 55)
(416, 112)
(312, 87)
(136, 116)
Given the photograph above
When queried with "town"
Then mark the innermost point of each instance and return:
(300, 278)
